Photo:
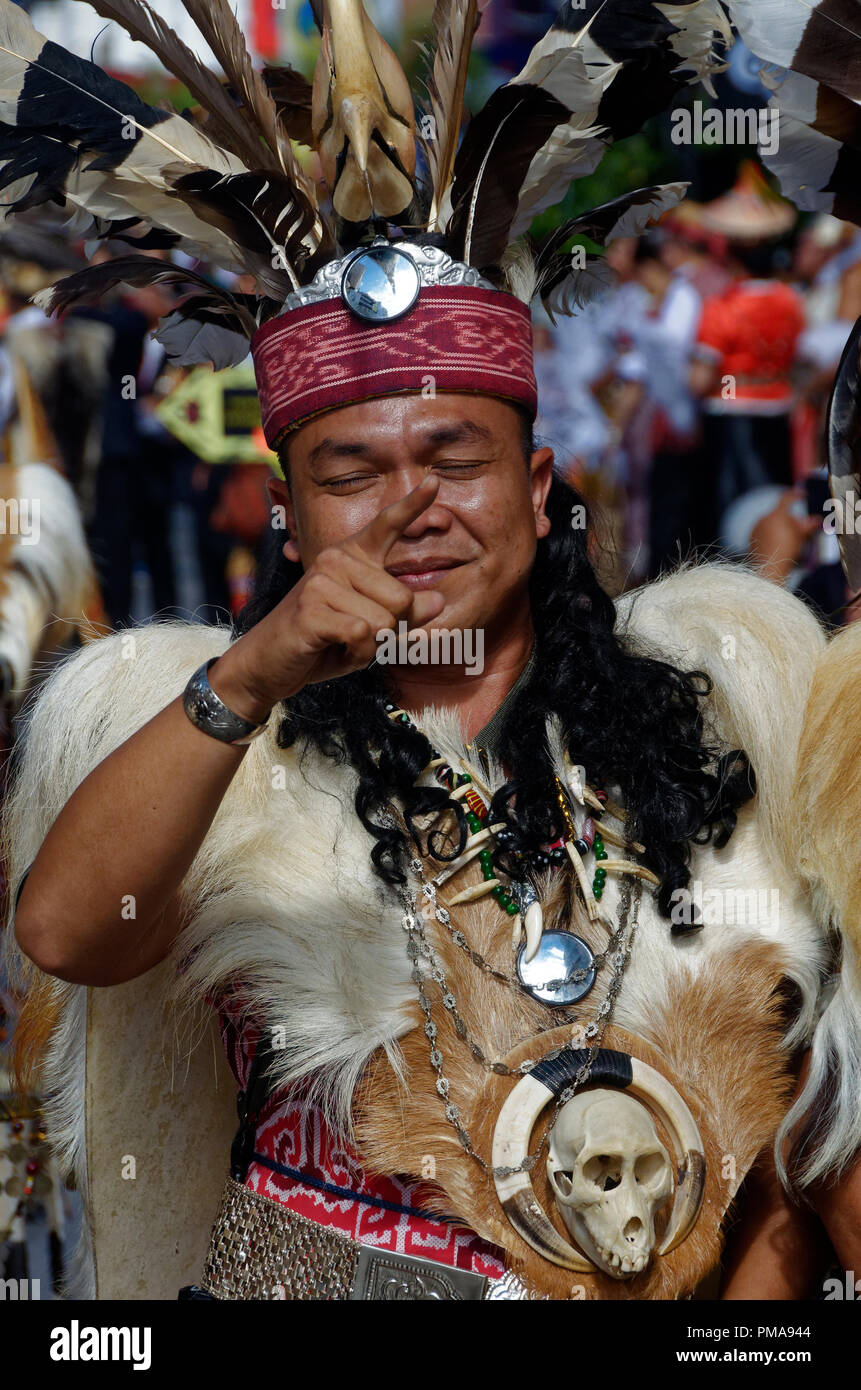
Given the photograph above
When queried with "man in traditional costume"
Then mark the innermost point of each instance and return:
(471, 925)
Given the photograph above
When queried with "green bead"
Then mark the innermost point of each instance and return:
(464, 778)
(487, 871)
(472, 821)
(498, 892)
(598, 892)
(602, 854)
(598, 844)
(511, 908)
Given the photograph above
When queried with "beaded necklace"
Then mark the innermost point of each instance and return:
(573, 843)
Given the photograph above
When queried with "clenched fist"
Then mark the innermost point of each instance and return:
(326, 625)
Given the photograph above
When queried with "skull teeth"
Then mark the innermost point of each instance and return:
(630, 1264)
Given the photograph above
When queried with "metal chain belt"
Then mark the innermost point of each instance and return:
(260, 1249)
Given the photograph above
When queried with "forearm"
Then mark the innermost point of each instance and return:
(100, 903)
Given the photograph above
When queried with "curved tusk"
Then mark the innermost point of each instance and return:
(473, 847)
(511, 1138)
(583, 880)
(518, 1117)
(533, 924)
(612, 837)
(650, 1086)
(478, 890)
(516, 929)
(627, 866)
(690, 1187)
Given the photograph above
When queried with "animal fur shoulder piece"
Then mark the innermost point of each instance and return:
(826, 808)
(282, 897)
(758, 644)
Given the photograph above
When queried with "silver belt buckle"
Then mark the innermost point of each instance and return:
(396, 1278)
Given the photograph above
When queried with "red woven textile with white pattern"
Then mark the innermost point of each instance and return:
(455, 338)
(327, 1181)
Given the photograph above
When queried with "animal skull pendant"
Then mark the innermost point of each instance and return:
(610, 1175)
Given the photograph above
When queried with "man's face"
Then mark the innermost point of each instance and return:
(475, 543)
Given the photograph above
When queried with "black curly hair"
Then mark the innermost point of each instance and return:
(633, 722)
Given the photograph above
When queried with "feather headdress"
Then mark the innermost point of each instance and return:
(233, 188)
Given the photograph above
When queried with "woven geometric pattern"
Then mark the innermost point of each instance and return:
(455, 338)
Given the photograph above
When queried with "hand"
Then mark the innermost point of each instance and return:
(778, 540)
(326, 625)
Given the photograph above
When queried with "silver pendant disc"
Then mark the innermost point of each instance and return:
(547, 976)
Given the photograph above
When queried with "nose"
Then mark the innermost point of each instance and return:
(436, 517)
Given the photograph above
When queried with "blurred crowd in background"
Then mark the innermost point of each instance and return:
(688, 399)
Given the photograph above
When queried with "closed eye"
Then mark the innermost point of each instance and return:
(343, 483)
(467, 467)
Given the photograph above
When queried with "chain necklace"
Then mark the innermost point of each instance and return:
(426, 966)
(425, 963)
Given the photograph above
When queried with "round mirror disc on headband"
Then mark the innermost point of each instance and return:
(380, 284)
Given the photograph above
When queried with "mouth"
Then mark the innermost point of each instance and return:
(423, 573)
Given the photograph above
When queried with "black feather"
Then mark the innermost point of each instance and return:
(261, 211)
(635, 34)
(563, 289)
(291, 92)
(89, 285)
(596, 224)
(201, 330)
(74, 100)
(49, 159)
(519, 119)
(150, 239)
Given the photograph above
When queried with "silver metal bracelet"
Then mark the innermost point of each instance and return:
(208, 712)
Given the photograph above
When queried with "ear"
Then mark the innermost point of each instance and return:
(541, 476)
(279, 496)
